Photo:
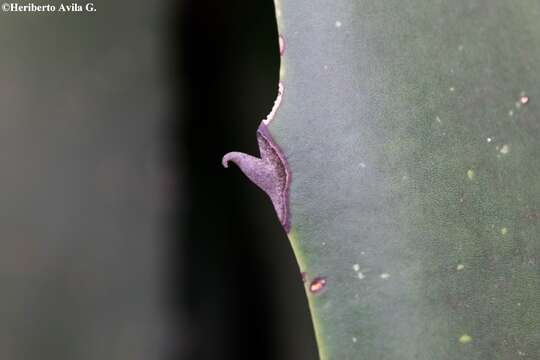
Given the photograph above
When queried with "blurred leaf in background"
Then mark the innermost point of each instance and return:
(85, 183)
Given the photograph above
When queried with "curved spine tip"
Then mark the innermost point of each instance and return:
(225, 160)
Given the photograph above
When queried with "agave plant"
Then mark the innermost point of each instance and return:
(402, 157)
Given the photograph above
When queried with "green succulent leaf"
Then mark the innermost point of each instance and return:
(411, 130)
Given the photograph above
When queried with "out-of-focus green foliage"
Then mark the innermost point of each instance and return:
(83, 185)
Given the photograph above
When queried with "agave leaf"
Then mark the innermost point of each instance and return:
(411, 130)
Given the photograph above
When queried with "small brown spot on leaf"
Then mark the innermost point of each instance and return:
(317, 285)
(281, 45)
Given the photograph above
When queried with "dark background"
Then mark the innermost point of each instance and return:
(241, 293)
